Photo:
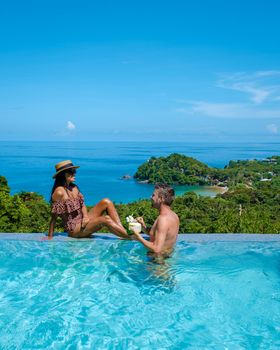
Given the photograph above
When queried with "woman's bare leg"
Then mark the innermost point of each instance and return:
(95, 224)
(97, 220)
(108, 206)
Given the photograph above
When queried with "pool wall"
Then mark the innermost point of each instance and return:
(188, 237)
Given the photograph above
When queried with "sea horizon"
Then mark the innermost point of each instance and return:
(29, 165)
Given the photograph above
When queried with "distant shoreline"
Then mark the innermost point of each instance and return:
(219, 189)
(102, 165)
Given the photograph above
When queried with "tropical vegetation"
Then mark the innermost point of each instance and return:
(251, 204)
(182, 170)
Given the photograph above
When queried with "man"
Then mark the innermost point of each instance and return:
(163, 233)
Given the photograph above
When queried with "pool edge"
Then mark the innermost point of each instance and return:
(188, 237)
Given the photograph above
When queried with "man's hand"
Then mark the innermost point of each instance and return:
(145, 229)
(136, 235)
(141, 221)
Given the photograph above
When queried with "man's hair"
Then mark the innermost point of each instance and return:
(166, 192)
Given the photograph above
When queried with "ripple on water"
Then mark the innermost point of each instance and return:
(109, 294)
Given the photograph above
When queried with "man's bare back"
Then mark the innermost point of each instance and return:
(164, 232)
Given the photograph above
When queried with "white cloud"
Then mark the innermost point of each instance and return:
(272, 128)
(267, 73)
(261, 86)
(70, 126)
(258, 96)
(228, 110)
(223, 110)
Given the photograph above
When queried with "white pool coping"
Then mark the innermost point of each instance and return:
(187, 237)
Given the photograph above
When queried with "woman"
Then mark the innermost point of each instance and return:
(68, 203)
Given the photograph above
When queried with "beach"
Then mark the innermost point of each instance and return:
(219, 189)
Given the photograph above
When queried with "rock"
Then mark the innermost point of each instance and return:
(126, 177)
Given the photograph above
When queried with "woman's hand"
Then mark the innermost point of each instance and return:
(49, 236)
(46, 238)
(85, 221)
(51, 227)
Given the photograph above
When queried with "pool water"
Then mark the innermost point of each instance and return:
(107, 294)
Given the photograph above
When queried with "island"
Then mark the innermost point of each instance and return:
(177, 169)
(250, 205)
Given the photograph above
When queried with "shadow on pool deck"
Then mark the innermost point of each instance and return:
(188, 237)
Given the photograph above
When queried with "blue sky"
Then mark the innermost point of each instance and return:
(140, 70)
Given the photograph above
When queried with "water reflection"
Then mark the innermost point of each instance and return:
(162, 274)
(149, 273)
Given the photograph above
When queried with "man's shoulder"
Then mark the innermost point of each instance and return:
(163, 219)
(168, 218)
(169, 214)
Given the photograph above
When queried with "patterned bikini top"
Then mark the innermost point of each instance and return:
(67, 206)
(70, 210)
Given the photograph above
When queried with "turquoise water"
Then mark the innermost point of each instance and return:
(106, 294)
(29, 166)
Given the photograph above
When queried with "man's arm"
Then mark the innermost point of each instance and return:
(160, 236)
(148, 230)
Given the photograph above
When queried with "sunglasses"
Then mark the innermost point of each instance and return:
(71, 171)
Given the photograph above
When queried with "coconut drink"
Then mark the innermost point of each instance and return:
(133, 225)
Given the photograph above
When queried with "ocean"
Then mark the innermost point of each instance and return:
(29, 166)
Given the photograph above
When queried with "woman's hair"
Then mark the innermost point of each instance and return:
(60, 180)
(166, 192)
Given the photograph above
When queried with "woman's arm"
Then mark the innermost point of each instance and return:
(52, 226)
(85, 216)
(57, 195)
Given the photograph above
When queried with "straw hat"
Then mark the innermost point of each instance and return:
(64, 165)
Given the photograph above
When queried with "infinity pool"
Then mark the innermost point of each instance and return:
(107, 294)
